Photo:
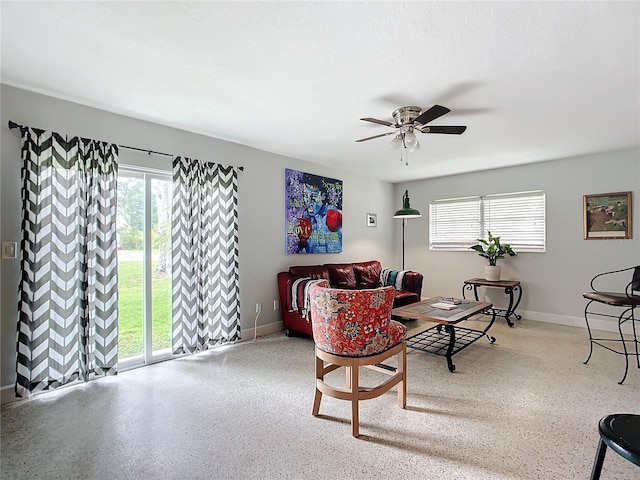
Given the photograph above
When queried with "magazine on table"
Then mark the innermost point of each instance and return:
(444, 306)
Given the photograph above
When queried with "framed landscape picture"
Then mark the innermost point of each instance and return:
(607, 215)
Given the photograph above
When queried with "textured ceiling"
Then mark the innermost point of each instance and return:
(532, 81)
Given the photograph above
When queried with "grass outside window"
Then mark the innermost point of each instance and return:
(130, 306)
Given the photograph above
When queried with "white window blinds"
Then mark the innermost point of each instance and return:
(518, 218)
(454, 224)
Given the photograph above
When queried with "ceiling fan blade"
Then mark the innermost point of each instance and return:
(434, 112)
(375, 136)
(449, 129)
(380, 122)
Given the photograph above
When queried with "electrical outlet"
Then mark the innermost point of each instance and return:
(276, 305)
(9, 249)
(258, 307)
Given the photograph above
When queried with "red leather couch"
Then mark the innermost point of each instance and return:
(351, 276)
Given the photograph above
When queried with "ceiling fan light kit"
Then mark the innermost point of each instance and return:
(406, 140)
(396, 143)
(407, 121)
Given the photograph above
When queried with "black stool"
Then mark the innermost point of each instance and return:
(621, 432)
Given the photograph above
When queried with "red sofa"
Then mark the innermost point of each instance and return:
(350, 276)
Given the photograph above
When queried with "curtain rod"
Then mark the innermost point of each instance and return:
(13, 125)
(158, 153)
(145, 150)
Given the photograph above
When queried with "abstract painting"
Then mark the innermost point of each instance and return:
(313, 210)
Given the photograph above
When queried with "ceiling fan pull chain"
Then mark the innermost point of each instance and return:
(406, 150)
(406, 156)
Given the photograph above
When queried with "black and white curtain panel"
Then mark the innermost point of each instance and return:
(204, 238)
(68, 297)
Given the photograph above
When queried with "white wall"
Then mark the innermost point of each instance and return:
(261, 202)
(552, 282)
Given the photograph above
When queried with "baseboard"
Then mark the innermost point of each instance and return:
(595, 323)
(8, 394)
(268, 329)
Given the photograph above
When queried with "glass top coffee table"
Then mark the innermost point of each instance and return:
(454, 338)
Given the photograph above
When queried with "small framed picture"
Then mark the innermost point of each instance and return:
(372, 220)
(607, 215)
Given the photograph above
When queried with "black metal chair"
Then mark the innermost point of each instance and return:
(621, 433)
(627, 299)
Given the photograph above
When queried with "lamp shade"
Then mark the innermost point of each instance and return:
(396, 143)
(406, 211)
(411, 141)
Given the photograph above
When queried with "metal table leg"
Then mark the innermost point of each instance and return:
(468, 286)
(511, 310)
(493, 319)
(452, 341)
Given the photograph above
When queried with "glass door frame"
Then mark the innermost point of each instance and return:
(148, 357)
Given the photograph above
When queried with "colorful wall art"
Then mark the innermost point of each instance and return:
(313, 209)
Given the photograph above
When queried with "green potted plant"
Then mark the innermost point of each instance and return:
(493, 251)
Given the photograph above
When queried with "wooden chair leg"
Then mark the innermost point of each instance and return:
(326, 363)
(318, 395)
(355, 390)
(402, 368)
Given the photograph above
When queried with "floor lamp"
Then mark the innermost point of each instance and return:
(404, 213)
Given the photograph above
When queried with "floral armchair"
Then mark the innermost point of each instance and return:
(352, 329)
(353, 322)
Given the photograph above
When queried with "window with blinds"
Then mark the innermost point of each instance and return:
(517, 218)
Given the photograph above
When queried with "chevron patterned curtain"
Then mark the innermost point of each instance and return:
(204, 237)
(68, 297)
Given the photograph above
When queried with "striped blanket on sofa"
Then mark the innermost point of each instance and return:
(298, 294)
(393, 278)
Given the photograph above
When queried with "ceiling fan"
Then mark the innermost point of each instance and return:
(408, 120)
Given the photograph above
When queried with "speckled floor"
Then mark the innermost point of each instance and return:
(523, 408)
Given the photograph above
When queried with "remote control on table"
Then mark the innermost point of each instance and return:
(451, 300)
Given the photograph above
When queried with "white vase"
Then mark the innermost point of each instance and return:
(492, 273)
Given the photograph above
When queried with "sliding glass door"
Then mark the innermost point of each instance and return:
(144, 266)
